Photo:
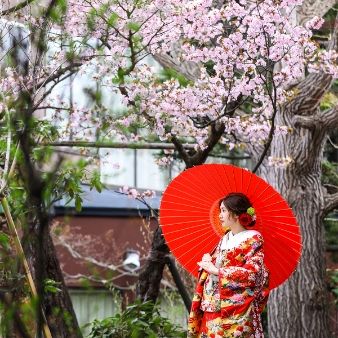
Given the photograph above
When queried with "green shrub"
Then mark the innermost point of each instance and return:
(139, 320)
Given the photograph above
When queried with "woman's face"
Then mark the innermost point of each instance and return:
(226, 218)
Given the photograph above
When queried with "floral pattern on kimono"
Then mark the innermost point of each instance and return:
(243, 289)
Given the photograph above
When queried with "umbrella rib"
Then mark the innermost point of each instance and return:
(207, 238)
(287, 231)
(182, 192)
(178, 247)
(197, 254)
(189, 210)
(185, 216)
(281, 266)
(258, 183)
(278, 202)
(288, 255)
(227, 179)
(178, 188)
(202, 175)
(284, 224)
(266, 197)
(267, 211)
(172, 224)
(186, 235)
(289, 239)
(263, 191)
(249, 184)
(192, 227)
(199, 188)
(190, 205)
(291, 218)
(242, 179)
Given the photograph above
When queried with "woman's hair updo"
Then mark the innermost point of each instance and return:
(238, 204)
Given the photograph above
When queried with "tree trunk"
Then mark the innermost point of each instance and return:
(58, 307)
(298, 308)
(148, 285)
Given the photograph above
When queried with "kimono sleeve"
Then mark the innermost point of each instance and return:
(244, 272)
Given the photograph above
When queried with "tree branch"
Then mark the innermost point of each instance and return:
(309, 93)
(180, 148)
(16, 8)
(330, 203)
(216, 132)
(57, 74)
(119, 145)
(178, 281)
(325, 119)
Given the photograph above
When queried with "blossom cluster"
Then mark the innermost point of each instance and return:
(243, 52)
(134, 193)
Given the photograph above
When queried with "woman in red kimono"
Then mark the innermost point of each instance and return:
(232, 288)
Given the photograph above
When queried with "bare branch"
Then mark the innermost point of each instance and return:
(89, 259)
(16, 8)
(215, 133)
(180, 148)
(104, 282)
(119, 145)
(57, 74)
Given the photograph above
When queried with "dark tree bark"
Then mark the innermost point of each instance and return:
(58, 307)
(149, 282)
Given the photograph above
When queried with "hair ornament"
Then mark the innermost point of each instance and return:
(251, 211)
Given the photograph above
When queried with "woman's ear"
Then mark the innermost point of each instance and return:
(234, 216)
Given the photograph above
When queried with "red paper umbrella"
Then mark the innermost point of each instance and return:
(189, 217)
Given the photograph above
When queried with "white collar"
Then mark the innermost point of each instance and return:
(230, 240)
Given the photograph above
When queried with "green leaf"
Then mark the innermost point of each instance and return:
(112, 19)
(120, 74)
(134, 26)
(78, 203)
(51, 286)
(91, 19)
(95, 181)
(4, 240)
(169, 73)
(58, 10)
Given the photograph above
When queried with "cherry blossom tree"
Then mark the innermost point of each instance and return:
(236, 74)
(251, 74)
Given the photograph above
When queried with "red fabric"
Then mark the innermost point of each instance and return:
(243, 293)
(207, 316)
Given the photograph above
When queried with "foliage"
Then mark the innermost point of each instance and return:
(138, 320)
(51, 286)
(330, 173)
(333, 284)
(331, 229)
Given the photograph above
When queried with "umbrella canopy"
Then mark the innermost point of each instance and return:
(189, 217)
